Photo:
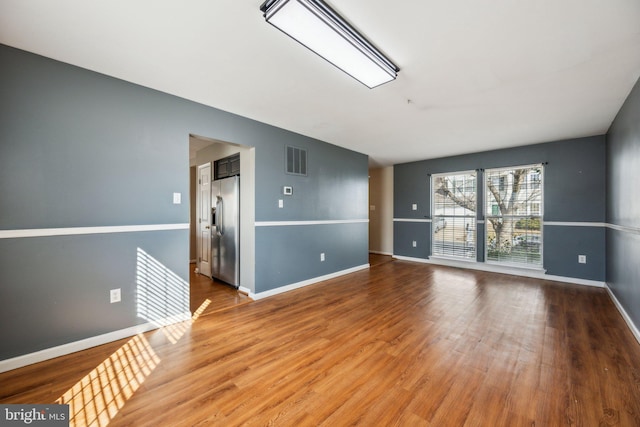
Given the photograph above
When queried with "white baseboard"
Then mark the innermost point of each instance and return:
(634, 329)
(304, 283)
(492, 268)
(575, 281)
(72, 347)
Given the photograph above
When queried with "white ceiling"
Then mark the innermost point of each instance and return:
(474, 74)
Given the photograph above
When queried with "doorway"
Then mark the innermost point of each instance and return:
(204, 151)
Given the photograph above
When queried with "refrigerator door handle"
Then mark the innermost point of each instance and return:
(219, 216)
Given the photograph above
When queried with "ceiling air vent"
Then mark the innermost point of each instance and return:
(296, 161)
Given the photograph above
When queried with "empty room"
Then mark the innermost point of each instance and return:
(319, 213)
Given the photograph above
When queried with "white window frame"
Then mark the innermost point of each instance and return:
(474, 219)
(487, 223)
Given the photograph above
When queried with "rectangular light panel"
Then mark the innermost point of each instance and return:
(317, 27)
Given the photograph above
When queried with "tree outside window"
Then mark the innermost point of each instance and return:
(514, 215)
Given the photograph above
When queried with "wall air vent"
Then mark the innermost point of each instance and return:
(295, 161)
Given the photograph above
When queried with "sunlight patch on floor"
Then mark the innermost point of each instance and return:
(97, 398)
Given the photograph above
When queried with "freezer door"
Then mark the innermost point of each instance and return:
(215, 237)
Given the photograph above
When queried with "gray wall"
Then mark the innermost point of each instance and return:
(574, 191)
(334, 178)
(288, 254)
(623, 206)
(55, 290)
(82, 149)
(293, 252)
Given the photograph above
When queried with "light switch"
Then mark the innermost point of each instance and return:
(414, 207)
(280, 203)
(177, 198)
(115, 296)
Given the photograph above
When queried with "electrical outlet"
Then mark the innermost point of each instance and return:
(415, 244)
(322, 256)
(582, 259)
(114, 295)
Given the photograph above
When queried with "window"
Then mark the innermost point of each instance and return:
(453, 216)
(514, 215)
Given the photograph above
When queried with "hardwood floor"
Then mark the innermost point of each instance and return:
(207, 297)
(398, 344)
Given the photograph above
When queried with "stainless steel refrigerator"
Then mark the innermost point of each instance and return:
(225, 235)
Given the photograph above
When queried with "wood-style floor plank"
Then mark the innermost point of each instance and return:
(398, 344)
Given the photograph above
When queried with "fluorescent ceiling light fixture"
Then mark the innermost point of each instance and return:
(318, 27)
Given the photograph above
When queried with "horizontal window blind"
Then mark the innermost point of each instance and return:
(454, 215)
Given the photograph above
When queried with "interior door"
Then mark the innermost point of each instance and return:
(204, 219)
